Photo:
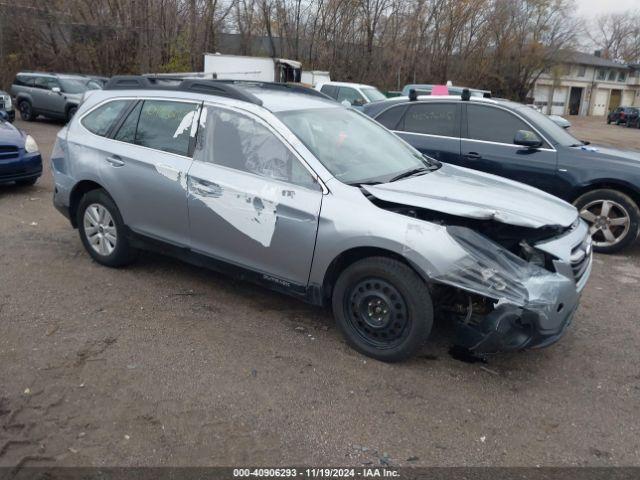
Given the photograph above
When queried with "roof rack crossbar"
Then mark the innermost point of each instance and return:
(208, 87)
(291, 87)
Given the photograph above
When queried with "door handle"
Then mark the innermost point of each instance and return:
(473, 156)
(115, 161)
(205, 188)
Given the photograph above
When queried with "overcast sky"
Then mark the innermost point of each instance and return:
(589, 8)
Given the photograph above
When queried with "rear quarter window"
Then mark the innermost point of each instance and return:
(100, 120)
(391, 117)
(330, 90)
(23, 81)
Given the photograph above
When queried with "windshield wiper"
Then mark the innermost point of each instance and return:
(411, 173)
(358, 184)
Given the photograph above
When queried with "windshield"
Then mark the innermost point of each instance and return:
(559, 135)
(354, 148)
(373, 94)
(72, 85)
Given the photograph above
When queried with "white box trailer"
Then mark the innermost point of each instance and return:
(263, 69)
(315, 77)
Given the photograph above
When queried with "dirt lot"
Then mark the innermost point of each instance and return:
(166, 364)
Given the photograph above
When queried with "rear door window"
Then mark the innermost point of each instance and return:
(100, 120)
(127, 131)
(166, 125)
(46, 83)
(24, 81)
(492, 124)
(442, 119)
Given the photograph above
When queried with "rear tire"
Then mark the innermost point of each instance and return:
(613, 217)
(102, 231)
(383, 308)
(26, 111)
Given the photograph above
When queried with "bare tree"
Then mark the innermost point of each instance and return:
(617, 35)
(497, 44)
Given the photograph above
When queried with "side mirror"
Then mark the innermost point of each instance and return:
(346, 103)
(56, 90)
(4, 115)
(527, 139)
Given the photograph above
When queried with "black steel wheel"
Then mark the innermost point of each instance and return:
(377, 312)
(383, 308)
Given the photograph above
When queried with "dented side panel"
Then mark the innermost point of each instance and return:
(251, 201)
(264, 225)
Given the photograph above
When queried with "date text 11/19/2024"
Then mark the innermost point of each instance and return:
(367, 472)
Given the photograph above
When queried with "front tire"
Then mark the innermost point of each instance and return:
(613, 217)
(383, 308)
(102, 230)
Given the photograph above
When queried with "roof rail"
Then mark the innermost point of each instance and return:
(291, 87)
(207, 87)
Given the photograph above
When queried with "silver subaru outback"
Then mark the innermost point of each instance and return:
(278, 185)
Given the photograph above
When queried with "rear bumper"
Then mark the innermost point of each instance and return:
(63, 209)
(25, 167)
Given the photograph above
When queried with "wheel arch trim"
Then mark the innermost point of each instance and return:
(77, 192)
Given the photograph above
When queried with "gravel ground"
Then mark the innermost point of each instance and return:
(163, 363)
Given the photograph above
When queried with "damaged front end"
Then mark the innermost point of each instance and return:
(508, 288)
(502, 302)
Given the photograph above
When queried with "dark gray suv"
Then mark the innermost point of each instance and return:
(49, 94)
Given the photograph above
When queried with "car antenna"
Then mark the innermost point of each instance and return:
(466, 94)
(413, 95)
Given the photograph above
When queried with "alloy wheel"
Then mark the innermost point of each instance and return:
(100, 229)
(609, 222)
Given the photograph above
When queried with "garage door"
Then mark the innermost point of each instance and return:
(560, 95)
(627, 97)
(541, 97)
(600, 103)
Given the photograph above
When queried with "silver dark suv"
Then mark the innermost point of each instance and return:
(49, 94)
(281, 187)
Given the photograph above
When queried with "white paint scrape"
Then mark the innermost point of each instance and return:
(253, 215)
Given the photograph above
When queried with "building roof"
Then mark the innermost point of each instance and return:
(572, 56)
(347, 84)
